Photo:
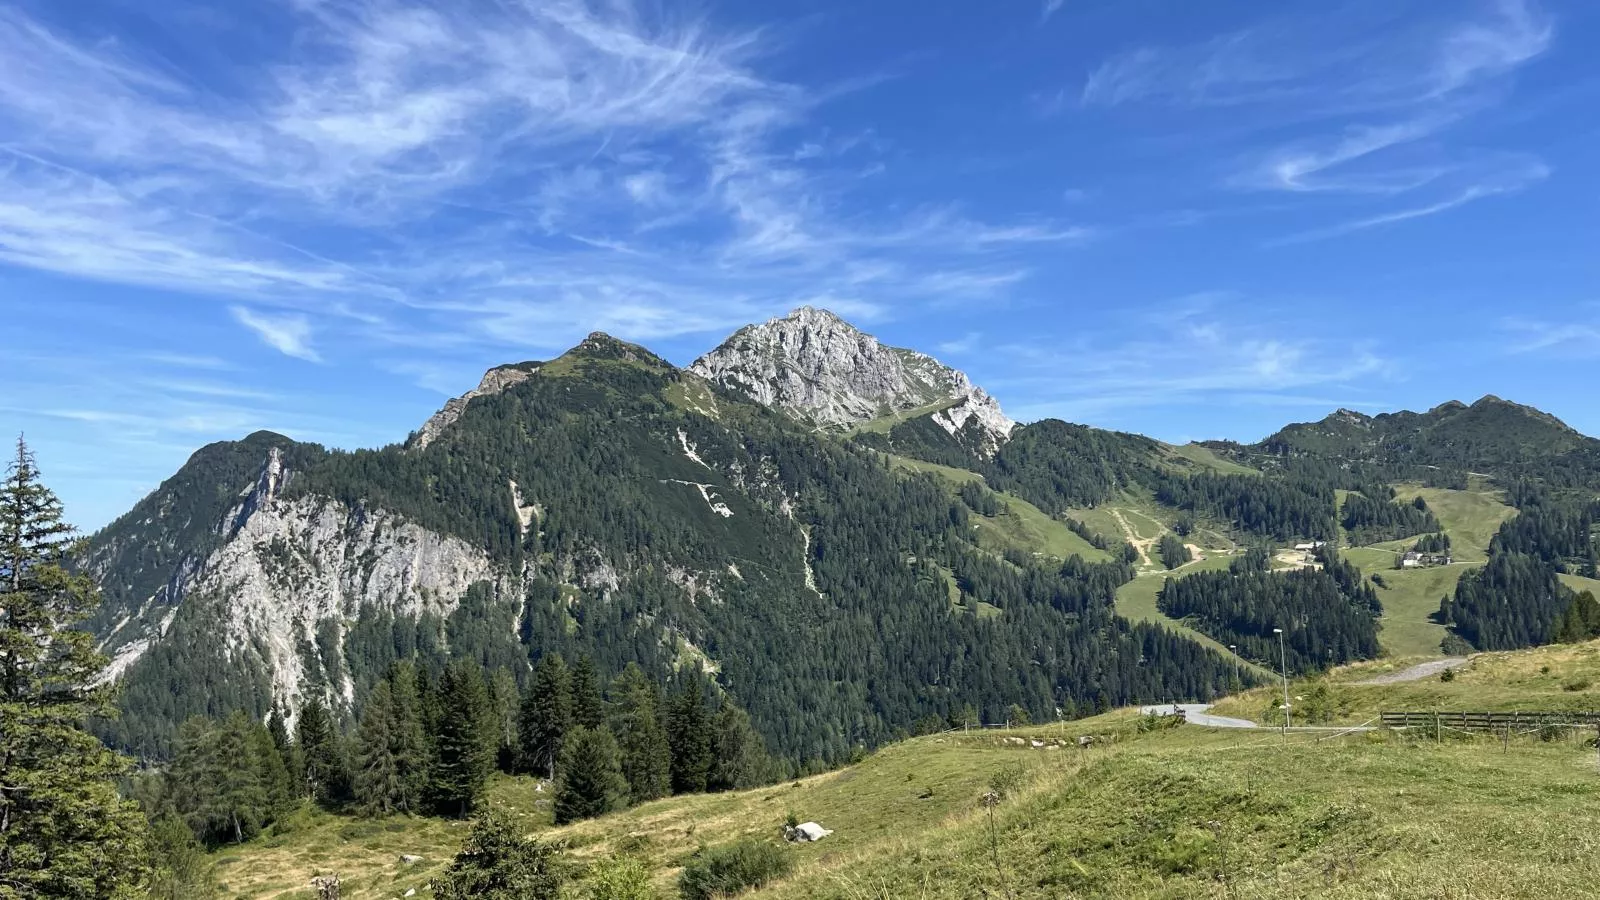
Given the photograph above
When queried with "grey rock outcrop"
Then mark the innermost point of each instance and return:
(494, 381)
(821, 369)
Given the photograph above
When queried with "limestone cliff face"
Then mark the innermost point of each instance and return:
(819, 368)
(285, 566)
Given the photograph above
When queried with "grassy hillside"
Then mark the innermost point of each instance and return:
(1412, 596)
(1136, 601)
(1023, 526)
(1470, 517)
(1173, 812)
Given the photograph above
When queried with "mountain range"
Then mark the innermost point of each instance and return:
(813, 516)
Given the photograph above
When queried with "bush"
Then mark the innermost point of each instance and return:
(1448, 675)
(1576, 684)
(731, 868)
(498, 863)
(621, 878)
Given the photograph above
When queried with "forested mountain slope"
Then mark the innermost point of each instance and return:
(612, 505)
(797, 513)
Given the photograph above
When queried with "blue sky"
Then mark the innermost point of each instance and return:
(1191, 220)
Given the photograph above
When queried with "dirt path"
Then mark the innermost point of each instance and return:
(1418, 672)
(1140, 544)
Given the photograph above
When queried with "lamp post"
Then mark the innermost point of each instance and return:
(1283, 668)
(1234, 649)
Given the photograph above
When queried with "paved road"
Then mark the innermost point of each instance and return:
(1418, 672)
(1195, 714)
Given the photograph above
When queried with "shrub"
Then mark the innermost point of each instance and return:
(1447, 675)
(731, 868)
(1576, 684)
(1007, 780)
(620, 878)
(498, 863)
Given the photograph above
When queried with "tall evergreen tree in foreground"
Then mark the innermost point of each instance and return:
(591, 782)
(588, 709)
(64, 831)
(465, 740)
(379, 784)
(545, 716)
(689, 736)
(324, 777)
(646, 757)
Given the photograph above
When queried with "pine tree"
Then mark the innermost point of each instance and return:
(738, 759)
(379, 784)
(64, 831)
(410, 747)
(323, 778)
(270, 768)
(498, 863)
(288, 752)
(504, 700)
(689, 737)
(590, 781)
(464, 747)
(545, 716)
(216, 782)
(588, 709)
(646, 757)
(181, 870)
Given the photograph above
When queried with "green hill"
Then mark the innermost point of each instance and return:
(1139, 812)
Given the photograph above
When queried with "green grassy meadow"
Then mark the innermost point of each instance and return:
(1144, 812)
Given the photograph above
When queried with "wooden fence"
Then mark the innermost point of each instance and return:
(1486, 721)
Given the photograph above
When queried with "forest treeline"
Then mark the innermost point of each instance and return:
(1328, 616)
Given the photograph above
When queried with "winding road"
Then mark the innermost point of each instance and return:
(1195, 714)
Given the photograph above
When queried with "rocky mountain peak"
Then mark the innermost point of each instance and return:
(494, 381)
(817, 367)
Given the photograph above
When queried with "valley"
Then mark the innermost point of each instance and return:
(813, 575)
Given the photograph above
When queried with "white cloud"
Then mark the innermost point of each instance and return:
(1212, 347)
(436, 175)
(1050, 8)
(289, 334)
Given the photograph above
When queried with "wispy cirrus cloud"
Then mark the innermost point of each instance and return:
(1208, 348)
(1577, 335)
(289, 334)
(579, 165)
(1372, 98)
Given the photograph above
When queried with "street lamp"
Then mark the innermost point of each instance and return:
(1283, 668)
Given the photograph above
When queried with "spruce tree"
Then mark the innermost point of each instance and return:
(646, 757)
(689, 737)
(545, 716)
(379, 785)
(216, 781)
(499, 863)
(270, 769)
(588, 709)
(64, 830)
(410, 747)
(590, 781)
(181, 870)
(287, 751)
(738, 759)
(504, 700)
(323, 777)
(464, 745)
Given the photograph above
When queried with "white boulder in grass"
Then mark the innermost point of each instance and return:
(808, 832)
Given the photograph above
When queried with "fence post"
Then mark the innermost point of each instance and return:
(1438, 732)
(1505, 738)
